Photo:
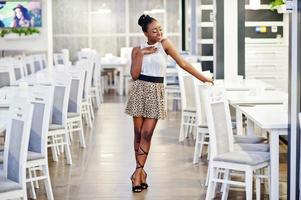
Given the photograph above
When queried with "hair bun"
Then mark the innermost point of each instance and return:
(144, 19)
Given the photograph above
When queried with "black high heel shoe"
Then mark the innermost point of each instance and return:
(135, 188)
(144, 185)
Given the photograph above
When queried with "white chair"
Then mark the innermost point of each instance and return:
(223, 157)
(58, 136)
(66, 53)
(19, 69)
(126, 53)
(7, 75)
(188, 103)
(37, 62)
(87, 108)
(41, 97)
(13, 179)
(29, 66)
(58, 59)
(74, 116)
(202, 133)
(43, 60)
(95, 90)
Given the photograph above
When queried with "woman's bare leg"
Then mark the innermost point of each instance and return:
(147, 130)
(138, 122)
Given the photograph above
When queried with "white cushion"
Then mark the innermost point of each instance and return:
(252, 147)
(248, 139)
(53, 127)
(33, 156)
(7, 185)
(190, 110)
(72, 114)
(244, 157)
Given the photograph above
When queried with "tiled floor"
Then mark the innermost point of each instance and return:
(103, 169)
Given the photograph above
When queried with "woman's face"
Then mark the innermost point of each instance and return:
(154, 31)
(18, 13)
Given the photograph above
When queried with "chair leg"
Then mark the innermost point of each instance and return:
(258, 184)
(47, 182)
(81, 134)
(67, 148)
(249, 184)
(199, 142)
(182, 129)
(91, 107)
(53, 149)
(88, 117)
(70, 127)
(210, 184)
(36, 182)
(188, 130)
(208, 174)
(225, 186)
(33, 192)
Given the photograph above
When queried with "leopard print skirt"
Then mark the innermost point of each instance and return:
(146, 99)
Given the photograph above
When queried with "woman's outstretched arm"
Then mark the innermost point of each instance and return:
(171, 50)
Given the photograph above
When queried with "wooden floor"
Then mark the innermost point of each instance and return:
(102, 170)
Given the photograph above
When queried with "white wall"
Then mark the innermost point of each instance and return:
(39, 43)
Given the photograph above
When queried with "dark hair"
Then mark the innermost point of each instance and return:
(144, 20)
(24, 11)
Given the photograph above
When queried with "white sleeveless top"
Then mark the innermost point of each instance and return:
(154, 64)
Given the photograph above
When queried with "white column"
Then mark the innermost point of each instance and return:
(49, 33)
(230, 38)
(89, 24)
(295, 77)
(193, 27)
(127, 23)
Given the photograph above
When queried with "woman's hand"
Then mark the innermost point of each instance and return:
(210, 80)
(149, 50)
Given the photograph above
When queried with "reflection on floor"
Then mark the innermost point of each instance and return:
(103, 169)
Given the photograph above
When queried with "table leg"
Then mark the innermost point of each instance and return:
(274, 152)
(121, 78)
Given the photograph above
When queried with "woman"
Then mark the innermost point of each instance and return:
(146, 98)
(22, 17)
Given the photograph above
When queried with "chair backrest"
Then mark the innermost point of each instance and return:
(43, 60)
(87, 65)
(37, 62)
(200, 97)
(126, 53)
(41, 96)
(187, 88)
(86, 54)
(17, 139)
(59, 59)
(7, 75)
(62, 83)
(19, 69)
(66, 53)
(29, 66)
(76, 89)
(219, 121)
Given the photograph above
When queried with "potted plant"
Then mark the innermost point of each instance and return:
(278, 5)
